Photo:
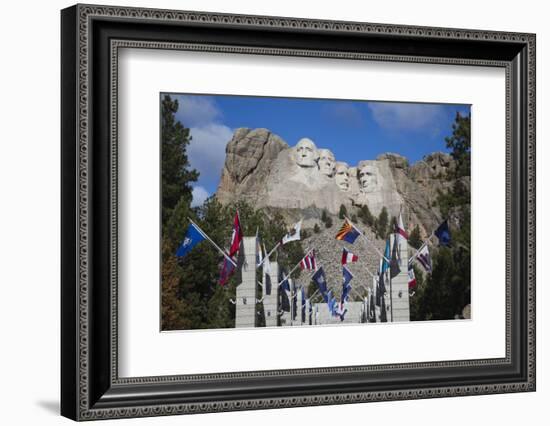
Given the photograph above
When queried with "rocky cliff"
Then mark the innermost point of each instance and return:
(303, 180)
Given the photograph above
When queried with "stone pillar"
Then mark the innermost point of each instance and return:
(246, 291)
(400, 309)
(271, 307)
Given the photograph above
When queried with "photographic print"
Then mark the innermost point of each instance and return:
(280, 212)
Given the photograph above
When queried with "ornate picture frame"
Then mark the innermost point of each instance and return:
(91, 37)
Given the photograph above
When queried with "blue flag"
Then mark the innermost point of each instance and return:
(284, 291)
(443, 233)
(320, 279)
(191, 239)
(387, 254)
(346, 286)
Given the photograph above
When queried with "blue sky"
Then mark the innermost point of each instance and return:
(352, 130)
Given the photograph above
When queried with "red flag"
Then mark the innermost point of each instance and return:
(401, 229)
(348, 257)
(412, 279)
(236, 236)
(308, 263)
(227, 270)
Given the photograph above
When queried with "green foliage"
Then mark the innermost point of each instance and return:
(176, 174)
(366, 216)
(316, 229)
(446, 291)
(343, 212)
(191, 295)
(382, 223)
(326, 219)
(196, 299)
(415, 240)
(459, 143)
(354, 218)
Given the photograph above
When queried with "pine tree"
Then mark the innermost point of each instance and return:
(316, 229)
(343, 212)
(459, 143)
(366, 216)
(382, 223)
(414, 238)
(176, 173)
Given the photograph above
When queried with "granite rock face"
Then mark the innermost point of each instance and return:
(249, 157)
(264, 170)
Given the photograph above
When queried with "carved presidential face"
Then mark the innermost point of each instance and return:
(326, 162)
(368, 177)
(306, 153)
(342, 176)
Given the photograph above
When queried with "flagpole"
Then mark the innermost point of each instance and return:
(366, 239)
(269, 254)
(391, 279)
(215, 245)
(426, 241)
(296, 266)
(291, 302)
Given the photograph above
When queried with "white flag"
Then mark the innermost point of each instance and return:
(401, 230)
(293, 235)
(266, 264)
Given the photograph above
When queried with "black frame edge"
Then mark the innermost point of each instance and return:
(69, 188)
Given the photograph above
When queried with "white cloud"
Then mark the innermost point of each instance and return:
(199, 196)
(405, 116)
(207, 151)
(345, 113)
(197, 110)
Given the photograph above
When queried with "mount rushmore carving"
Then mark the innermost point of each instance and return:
(264, 170)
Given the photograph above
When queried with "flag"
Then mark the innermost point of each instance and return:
(365, 310)
(443, 233)
(308, 263)
(259, 252)
(412, 278)
(332, 306)
(341, 314)
(380, 289)
(347, 233)
(327, 296)
(294, 294)
(303, 295)
(401, 229)
(320, 279)
(227, 270)
(423, 256)
(372, 309)
(348, 257)
(293, 235)
(346, 286)
(385, 260)
(383, 315)
(193, 236)
(267, 288)
(284, 293)
(267, 273)
(236, 236)
(394, 261)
